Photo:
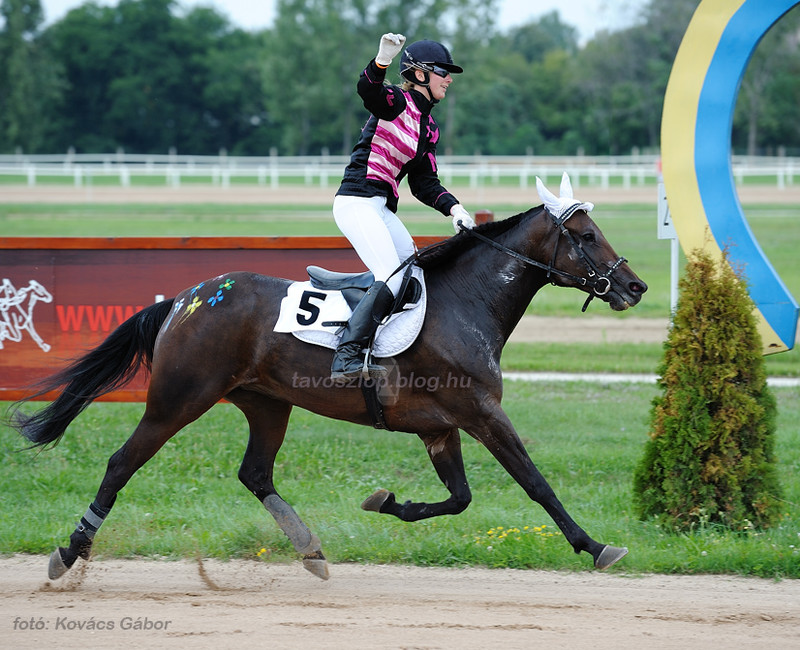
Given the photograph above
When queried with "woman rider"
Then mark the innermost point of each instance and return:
(398, 140)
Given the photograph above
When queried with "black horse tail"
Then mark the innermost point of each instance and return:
(111, 365)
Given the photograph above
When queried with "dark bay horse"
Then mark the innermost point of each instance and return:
(216, 340)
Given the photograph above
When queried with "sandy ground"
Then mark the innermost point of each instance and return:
(186, 604)
(590, 329)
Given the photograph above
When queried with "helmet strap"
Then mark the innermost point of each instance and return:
(426, 84)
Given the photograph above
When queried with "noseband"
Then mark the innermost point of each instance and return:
(599, 283)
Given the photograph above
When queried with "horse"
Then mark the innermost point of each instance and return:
(478, 282)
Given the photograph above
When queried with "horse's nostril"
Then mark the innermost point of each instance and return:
(637, 287)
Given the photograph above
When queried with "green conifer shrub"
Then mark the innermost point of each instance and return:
(710, 456)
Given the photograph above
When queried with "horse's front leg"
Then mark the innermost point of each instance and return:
(444, 451)
(496, 432)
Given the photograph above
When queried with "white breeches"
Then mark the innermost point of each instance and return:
(377, 235)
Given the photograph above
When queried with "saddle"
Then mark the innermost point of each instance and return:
(353, 286)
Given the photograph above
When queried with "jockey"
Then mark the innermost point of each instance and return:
(398, 140)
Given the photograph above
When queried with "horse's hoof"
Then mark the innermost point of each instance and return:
(316, 565)
(56, 568)
(609, 556)
(374, 502)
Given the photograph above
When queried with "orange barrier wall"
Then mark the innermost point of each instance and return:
(62, 296)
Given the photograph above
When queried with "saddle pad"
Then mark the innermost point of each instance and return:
(315, 316)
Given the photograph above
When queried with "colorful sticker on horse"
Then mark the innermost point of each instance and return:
(191, 308)
(218, 297)
(196, 288)
(178, 306)
(228, 284)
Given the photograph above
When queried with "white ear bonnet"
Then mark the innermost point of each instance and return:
(563, 207)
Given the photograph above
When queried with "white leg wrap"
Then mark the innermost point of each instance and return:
(303, 540)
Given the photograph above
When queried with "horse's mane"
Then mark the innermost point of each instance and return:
(436, 254)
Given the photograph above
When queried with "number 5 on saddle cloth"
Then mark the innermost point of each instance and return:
(317, 310)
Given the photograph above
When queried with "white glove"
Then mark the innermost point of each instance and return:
(460, 214)
(390, 47)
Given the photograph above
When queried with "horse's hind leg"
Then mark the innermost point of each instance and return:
(158, 424)
(445, 454)
(268, 419)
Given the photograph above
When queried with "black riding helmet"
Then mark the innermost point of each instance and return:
(428, 56)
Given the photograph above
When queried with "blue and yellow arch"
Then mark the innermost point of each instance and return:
(696, 151)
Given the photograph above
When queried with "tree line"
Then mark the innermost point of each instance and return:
(145, 76)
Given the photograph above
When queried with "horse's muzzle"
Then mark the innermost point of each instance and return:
(627, 295)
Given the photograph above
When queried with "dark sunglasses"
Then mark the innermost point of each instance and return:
(439, 71)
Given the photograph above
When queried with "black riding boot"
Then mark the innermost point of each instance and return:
(348, 360)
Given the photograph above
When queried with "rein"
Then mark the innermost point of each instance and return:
(599, 283)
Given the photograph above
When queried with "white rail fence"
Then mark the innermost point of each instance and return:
(273, 171)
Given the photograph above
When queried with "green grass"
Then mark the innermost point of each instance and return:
(93, 220)
(187, 499)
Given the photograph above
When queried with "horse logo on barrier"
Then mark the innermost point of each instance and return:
(16, 311)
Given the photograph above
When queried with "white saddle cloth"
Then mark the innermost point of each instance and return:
(316, 316)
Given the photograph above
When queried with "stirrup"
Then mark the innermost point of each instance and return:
(364, 369)
(372, 370)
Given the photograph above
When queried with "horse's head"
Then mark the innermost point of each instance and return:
(582, 256)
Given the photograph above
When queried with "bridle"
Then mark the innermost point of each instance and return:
(599, 283)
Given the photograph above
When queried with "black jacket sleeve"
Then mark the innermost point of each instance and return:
(384, 102)
(423, 181)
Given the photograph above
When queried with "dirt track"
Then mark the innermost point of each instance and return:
(240, 604)
(590, 329)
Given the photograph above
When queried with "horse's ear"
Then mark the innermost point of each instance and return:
(566, 187)
(548, 198)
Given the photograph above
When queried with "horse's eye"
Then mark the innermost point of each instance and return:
(588, 237)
